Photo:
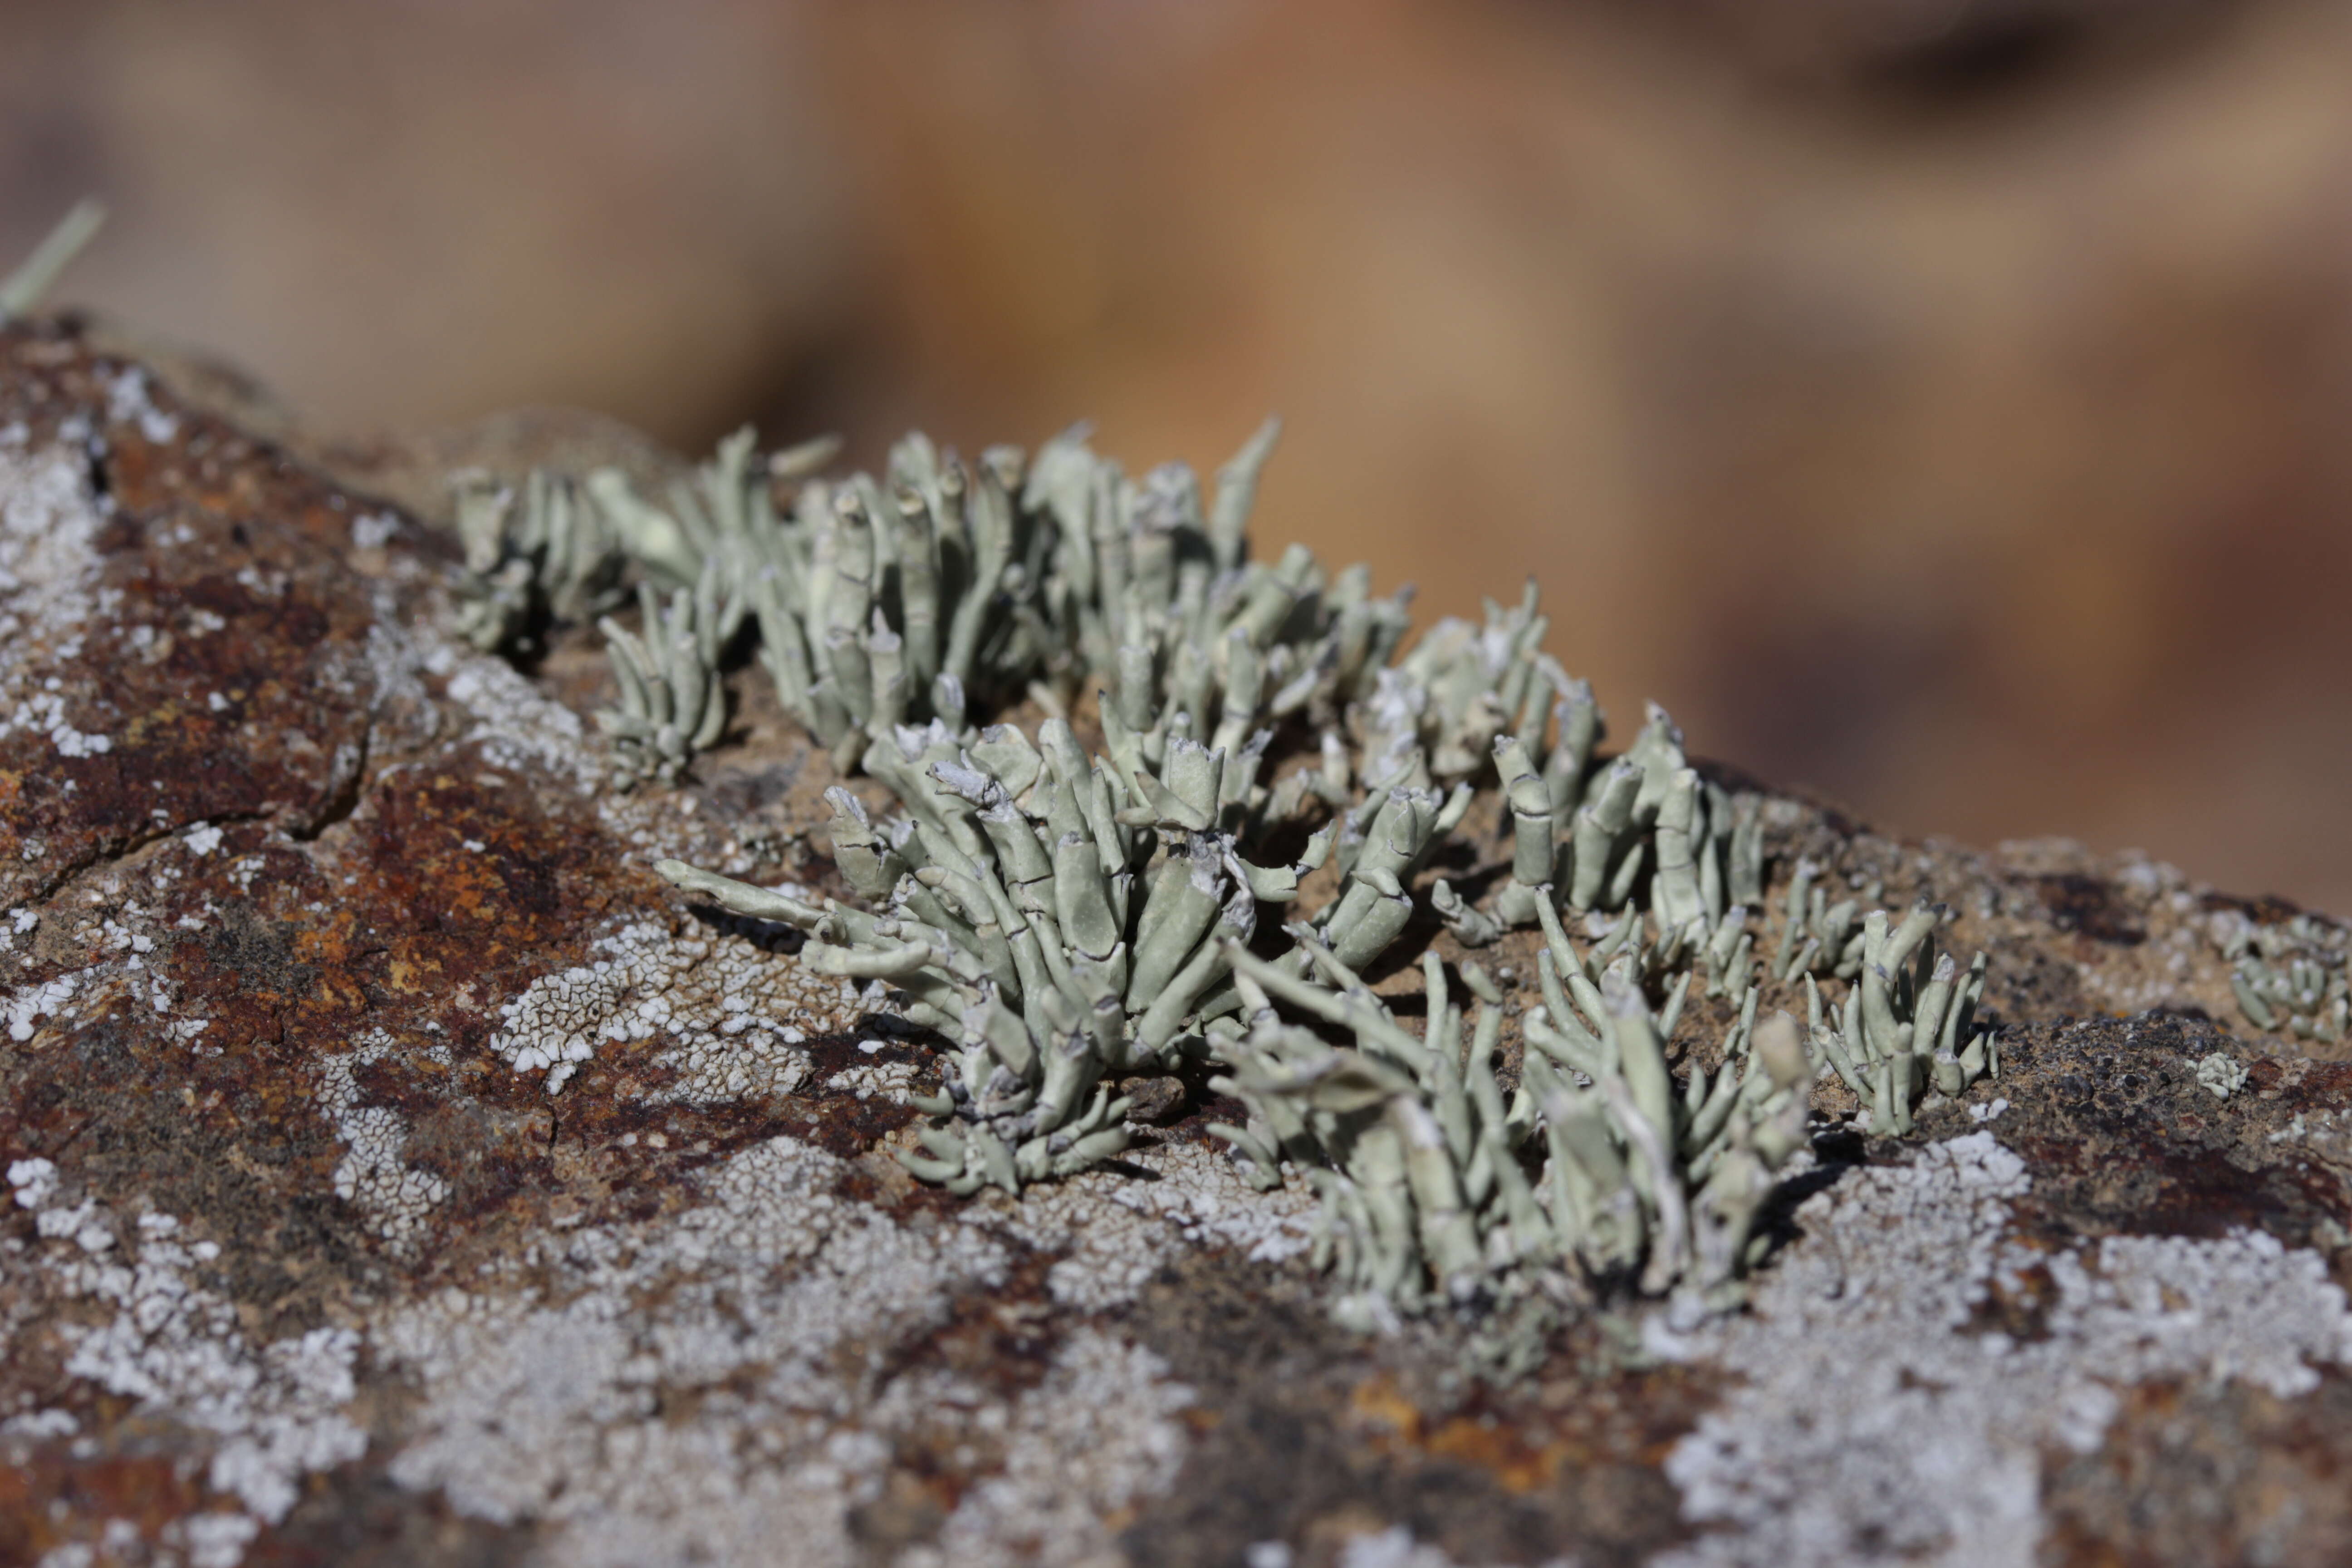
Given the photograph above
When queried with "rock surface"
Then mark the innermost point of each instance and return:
(400, 1171)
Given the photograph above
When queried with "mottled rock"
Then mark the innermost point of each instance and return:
(400, 1171)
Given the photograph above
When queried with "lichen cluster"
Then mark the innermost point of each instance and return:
(1594, 839)
(1817, 936)
(2220, 1074)
(1069, 912)
(539, 553)
(2289, 975)
(1908, 1025)
(1068, 926)
(1424, 1171)
(942, 590)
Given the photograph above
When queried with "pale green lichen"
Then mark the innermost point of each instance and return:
(1462, 685)
(881, 608)
(941, 591)
(1908, 1025)
(1067, 925)
(1817, 936)
(25, 288)
(1066, 918)
(2221, 1074)
(2289, 977)
(544, 551)
(1419, 1160)
(1594, 839)
(1026, 875)
(1155, 597)
(672, 701)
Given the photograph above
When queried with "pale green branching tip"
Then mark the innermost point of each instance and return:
(34, 276)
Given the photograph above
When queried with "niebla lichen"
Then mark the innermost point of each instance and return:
(1271, 766)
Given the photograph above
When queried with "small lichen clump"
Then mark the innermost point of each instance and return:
(2220, 1074)
(1067, 925)
(543, 552)
(1419, 1162)
(1590, 839)
(1908, 1025)
(2289, 976)
(672, 703)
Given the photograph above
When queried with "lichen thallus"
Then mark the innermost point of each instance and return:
(1065, 916)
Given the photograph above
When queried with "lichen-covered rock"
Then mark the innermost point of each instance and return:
(398, 1170)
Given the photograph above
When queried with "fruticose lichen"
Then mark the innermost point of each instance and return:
(539, 552)
(1068, 915)
(1816, 935)
(1645, 821)
(1066, 925)
(672, 703)
(24, 288)
(2221, 1074)
(1419, 1160)
(2289, 977)
(1909, 1023)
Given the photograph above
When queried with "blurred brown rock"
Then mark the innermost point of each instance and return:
(1936, 403)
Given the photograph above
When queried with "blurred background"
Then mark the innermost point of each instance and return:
(1941, 404)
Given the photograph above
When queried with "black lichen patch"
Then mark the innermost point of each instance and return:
(2091, 907)
(2118, 1135)
(356, 1517)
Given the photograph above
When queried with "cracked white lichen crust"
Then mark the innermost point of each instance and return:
(49, 520)
(700, 1388)
(730, 1017)
(515, 726)
(1115, 1233)
(374, 1175)
(268, 1414)
(1868, 1424)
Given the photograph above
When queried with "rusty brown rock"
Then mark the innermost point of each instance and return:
(305, 1263)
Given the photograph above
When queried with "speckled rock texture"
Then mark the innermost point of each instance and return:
(305, 907)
